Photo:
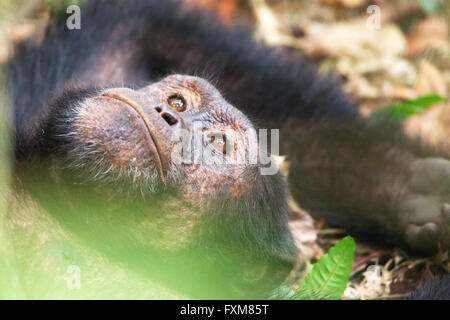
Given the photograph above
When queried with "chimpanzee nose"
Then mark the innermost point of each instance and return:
(169, 115)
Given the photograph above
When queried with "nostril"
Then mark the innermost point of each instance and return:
(158, 109)
(169, 118)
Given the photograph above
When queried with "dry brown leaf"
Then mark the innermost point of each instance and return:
(430, 80)
(345, 3)
(361, 87)
(431, 33)
(226, 9)
(404, 93)
(334, 39)
(432, 125)
(10, 35)
(305, 236)
(301, 223)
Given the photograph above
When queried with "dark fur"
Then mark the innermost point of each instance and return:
(335, 178)
(435, 289)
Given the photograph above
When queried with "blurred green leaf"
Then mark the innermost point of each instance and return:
(59, 7)
(282, 293)
(407, 109)
(329, 276)
(431, 6)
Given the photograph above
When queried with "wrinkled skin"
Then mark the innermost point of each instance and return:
(135, 132)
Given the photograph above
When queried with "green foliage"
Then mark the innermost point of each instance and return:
(59, 7)
(407, 109)
(9, 281)
(431, 6)
(283, 293)
(329, 276)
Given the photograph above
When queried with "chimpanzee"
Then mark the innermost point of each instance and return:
(98, 114)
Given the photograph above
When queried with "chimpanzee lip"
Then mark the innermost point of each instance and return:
(136, 109)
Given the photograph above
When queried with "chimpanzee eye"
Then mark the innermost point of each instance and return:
(219, 142)
(177, 103)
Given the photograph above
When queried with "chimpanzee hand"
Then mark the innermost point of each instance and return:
(425, 209)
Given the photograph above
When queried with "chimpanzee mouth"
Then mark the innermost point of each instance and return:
(161, 163)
